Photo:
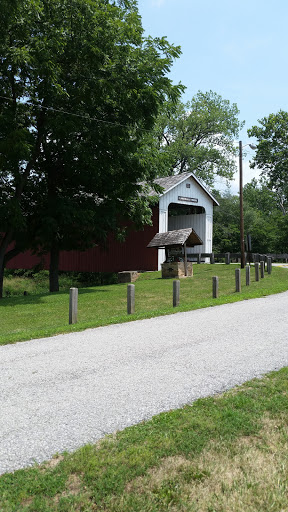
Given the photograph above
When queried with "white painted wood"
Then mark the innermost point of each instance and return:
(163, 227)
(197, 222)
(209, 233)
(195, 191)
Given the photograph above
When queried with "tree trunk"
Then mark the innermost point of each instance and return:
(1, 277)
(54, 267)
(3, 257)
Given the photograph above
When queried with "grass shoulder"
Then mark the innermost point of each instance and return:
(43, 314)
(227, 452)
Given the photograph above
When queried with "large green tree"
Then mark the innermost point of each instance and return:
(197, 136)
(272, 153)
(80, 85)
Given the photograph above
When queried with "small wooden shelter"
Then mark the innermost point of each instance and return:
(175, 244)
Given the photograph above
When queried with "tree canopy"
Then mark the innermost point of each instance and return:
(272, 153)
(263, 220)
(197, 136)
(80, 85)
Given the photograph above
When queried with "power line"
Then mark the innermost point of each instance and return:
(87, 117)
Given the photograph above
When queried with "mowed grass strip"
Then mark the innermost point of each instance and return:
(33, 316)
(220, 454)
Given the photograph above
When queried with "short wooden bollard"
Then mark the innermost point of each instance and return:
(130, 299)
(227, 258)
(73, 305)
(262, 268)
(256, 271)
(238, 279)
(248, 275)
(215, 287)
(269, 265)
(176, 293)
(212, 258)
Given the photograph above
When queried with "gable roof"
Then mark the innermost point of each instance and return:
(176, 237)
(169, 182)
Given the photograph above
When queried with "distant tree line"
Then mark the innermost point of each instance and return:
(264, 219)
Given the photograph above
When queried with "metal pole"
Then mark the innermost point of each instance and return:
(242, 241)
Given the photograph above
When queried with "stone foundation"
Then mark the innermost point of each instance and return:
(176, 269)
(128, 276)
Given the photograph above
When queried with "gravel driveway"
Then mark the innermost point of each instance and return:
(62, 392)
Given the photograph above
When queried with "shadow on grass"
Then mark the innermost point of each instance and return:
(38, 298)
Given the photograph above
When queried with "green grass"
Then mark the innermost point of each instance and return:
(39, 315)
(220, 454)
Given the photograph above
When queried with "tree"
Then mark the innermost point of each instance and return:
(266, 222)
(272, 153)
(226, 227)
(197, 136)
(263, 220)
(80, 85)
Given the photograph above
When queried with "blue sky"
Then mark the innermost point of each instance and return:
(237, 49)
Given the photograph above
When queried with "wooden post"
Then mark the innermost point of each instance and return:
(247, 275)
(215, 287)
(130, 299)
(199, 257)
(212, 258)
(176, 293)
(269, 265)
(262, 268)
(73, 305)
(238, 279)
(185, 259)
(227, 258)
(256, 271)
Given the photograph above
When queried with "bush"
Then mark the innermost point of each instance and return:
(32, 281)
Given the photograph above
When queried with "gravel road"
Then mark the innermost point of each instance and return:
(60, 393)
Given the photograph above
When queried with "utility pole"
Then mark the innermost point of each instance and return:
(242, 242)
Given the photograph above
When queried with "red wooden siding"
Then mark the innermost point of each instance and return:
(129, 255)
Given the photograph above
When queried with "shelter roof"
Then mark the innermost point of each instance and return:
(176, 237)
(169, 182)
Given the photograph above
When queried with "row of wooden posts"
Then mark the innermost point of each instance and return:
(259, 271)
(229, 256)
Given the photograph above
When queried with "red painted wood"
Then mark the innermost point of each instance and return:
(129, 255)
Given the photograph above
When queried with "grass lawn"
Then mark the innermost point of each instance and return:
(221, 454)
(38, 315)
